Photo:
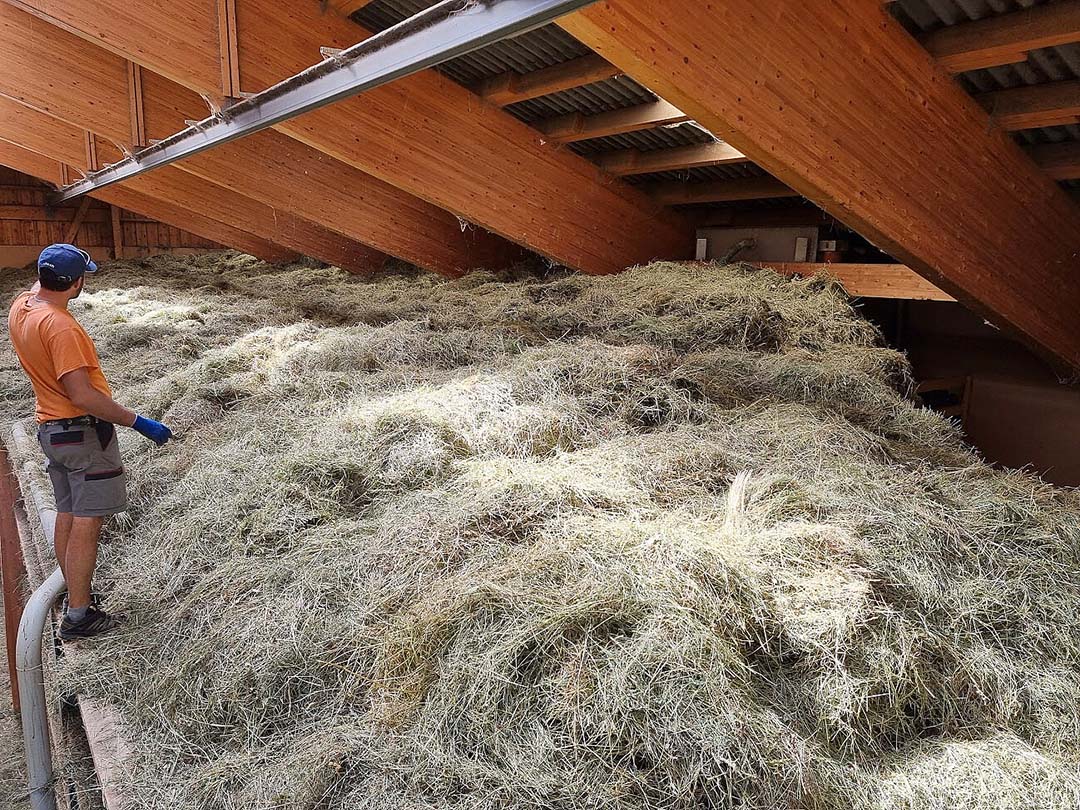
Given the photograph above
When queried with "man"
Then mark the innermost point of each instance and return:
(75, 413)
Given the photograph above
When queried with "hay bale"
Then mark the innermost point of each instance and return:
(678, 538)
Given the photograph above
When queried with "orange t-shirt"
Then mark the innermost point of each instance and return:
(49, 343)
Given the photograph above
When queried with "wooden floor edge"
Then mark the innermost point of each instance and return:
(868, 280)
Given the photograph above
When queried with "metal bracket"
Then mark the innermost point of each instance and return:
(445, 31)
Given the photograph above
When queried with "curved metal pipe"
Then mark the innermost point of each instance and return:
(35, 718)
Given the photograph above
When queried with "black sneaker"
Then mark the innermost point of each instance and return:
(95, 600)
(94, 623)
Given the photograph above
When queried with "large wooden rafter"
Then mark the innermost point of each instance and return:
(91, 87)
(44, 168)
(66, 143)
(424, 134)
(868, 127)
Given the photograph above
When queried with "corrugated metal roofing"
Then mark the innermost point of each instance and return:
(536, 49)
(550, 45)
(1061, 63)
(647, 139)
(926, 15)
(541, 48)
(730, 171)
(612, 94)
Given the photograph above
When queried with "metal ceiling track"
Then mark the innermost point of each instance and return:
(445, 31)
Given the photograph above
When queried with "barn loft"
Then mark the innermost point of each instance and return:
(684, 401)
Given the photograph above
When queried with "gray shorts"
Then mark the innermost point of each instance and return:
(85, 468)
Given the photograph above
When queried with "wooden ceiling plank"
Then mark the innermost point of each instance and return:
(77, 221)
(1060, 160)
(679, 192)
(347, 8)
(424, 134)
(512, 87)
(1004, 39)
(869, 280)
(936, 185)
(1037, 105)
(577, 127)
(625, 162)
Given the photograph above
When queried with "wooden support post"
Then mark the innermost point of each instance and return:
(117, 232)
(12, 567)
(228, 48)
(80, 215)
(91, 153)
(65, 174)
(135, 99)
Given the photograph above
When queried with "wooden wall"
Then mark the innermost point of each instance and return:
(1018, 414)
(27, 225)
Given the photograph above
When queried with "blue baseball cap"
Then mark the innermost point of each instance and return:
(64, 263)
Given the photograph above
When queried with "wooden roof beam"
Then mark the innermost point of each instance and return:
(347, 8)
(940, 188)
(425, 134)
(190, 192)
(1060, 160)
(678, 192)
(578, 127)
(1038, 105)
(512, 87)
(47, 169)
(625, 162)
(1005, 39)
(90, 86)
(66, 142)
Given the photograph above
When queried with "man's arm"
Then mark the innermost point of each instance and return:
(87, 398)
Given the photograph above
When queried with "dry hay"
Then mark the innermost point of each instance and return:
(673, 539)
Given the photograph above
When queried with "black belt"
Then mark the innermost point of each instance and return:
(74, 420)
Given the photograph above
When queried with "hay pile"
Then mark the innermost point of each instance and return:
(673, 539)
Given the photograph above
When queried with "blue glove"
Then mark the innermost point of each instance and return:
(154, 431)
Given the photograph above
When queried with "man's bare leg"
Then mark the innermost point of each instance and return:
(80, 559)
(61, 532)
